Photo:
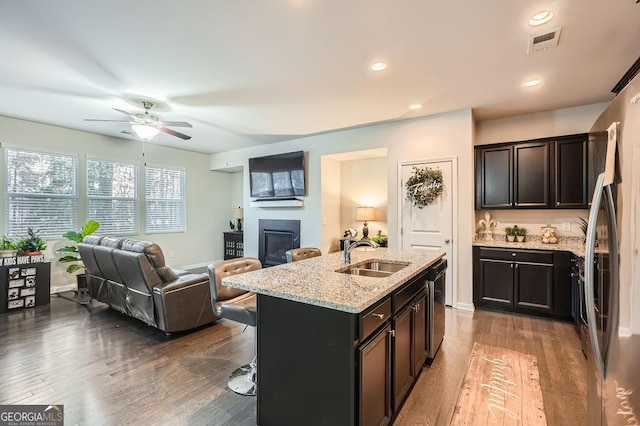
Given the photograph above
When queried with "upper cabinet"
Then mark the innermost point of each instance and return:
(571, 181)
(540, 174)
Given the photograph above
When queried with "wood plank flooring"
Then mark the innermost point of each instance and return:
(109, 369)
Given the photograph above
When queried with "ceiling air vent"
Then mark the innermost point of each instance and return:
(544, 41)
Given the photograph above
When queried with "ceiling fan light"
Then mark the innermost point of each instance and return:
(144, 132)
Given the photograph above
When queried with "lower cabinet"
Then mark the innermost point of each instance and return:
(535, 282)
(375, 379)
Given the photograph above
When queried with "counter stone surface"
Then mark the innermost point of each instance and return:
(315, 281)
(577, 249)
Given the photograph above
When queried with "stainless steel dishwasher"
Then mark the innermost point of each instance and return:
(436, 275)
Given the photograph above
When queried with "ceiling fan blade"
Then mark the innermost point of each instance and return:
(113, 121)
(174, 133)
(125, 112)
(176, 123)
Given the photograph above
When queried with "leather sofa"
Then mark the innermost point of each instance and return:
(131, 277)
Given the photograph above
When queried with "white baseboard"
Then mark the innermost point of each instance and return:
(65, 287)
(465, 307)
(624, 331)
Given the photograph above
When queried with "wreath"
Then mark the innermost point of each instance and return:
(424, 186)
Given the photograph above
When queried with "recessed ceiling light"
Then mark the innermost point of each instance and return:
(415, 106)
(541, 18)
(378, 66)
(532, 83)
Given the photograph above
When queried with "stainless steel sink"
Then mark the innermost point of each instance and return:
(374, 268)
(378, 265)
(367, 272)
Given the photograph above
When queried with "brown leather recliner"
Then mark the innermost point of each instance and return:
(131, 276)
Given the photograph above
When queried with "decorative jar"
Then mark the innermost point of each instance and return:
(549, 234)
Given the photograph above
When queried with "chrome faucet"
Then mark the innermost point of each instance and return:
(349, 246)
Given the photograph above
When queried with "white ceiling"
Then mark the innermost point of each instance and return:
(253, 72)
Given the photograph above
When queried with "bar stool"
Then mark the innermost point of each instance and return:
(242, 380)
(302, 253)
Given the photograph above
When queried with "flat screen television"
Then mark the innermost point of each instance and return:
(279, 176)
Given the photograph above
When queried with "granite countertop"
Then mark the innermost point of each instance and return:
(576, 248)
(315, 281)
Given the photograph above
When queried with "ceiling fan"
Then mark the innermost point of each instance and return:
(146, 125)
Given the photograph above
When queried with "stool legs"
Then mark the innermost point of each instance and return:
(243, 380)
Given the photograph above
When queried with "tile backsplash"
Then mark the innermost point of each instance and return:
(534, 220)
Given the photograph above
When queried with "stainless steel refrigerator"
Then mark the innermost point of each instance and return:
(612, 264)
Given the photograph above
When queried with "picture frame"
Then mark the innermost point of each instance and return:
(16, 283)
(29, 301)
(14, 293)
(28, 272)
(31, 291)
(13, 304)
(30, 281)
(14, 273)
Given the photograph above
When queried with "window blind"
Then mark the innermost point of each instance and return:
(112, 196)
(165, 200)
(41, 192)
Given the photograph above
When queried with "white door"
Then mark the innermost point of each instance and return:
(431, 227)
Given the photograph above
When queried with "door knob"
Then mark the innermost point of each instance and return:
(447, 241)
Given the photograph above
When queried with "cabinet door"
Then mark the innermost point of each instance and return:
(570, 186)
(420, 340)
(495, 283)
(403, 371)
(375, 380)
(531, 183)
(494, 171)
(534, 286)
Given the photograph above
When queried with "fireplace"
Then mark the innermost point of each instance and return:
(275, 238)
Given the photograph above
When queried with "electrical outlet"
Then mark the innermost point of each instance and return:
(566, 226)
(171, 253)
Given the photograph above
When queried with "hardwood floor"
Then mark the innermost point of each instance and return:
(107, 368)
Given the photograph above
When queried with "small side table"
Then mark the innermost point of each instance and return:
(233, 245)
(25, 282)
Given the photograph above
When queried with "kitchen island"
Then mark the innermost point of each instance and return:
(325, 338)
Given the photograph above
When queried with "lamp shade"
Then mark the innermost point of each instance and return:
(238, 213)
(365, 214)
(145, 132)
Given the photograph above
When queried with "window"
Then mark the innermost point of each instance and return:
(165, 198)
(112, 196)
(41, 192)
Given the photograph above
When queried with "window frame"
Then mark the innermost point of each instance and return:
(182, 202)
(55, 233)
(136, 199)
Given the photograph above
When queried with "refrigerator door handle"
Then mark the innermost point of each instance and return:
(614, 284)
(589, 272)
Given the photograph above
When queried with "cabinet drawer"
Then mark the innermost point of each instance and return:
(373, 319)
(402, 296)
(536, 256)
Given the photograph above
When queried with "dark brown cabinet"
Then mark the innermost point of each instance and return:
(571, 177)
(539, 174)
(494, 177)
(233, 245)
(375, 379)
(535, 282)
(348, 368)
(531, 175)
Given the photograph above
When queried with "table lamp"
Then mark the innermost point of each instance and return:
(365, 214)
(238, 214)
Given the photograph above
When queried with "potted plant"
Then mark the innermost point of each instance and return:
(381, 240)
(511, 233)
(32, 244)
(7, 247)
(71, 254)
(582, 222)
(520, 234)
